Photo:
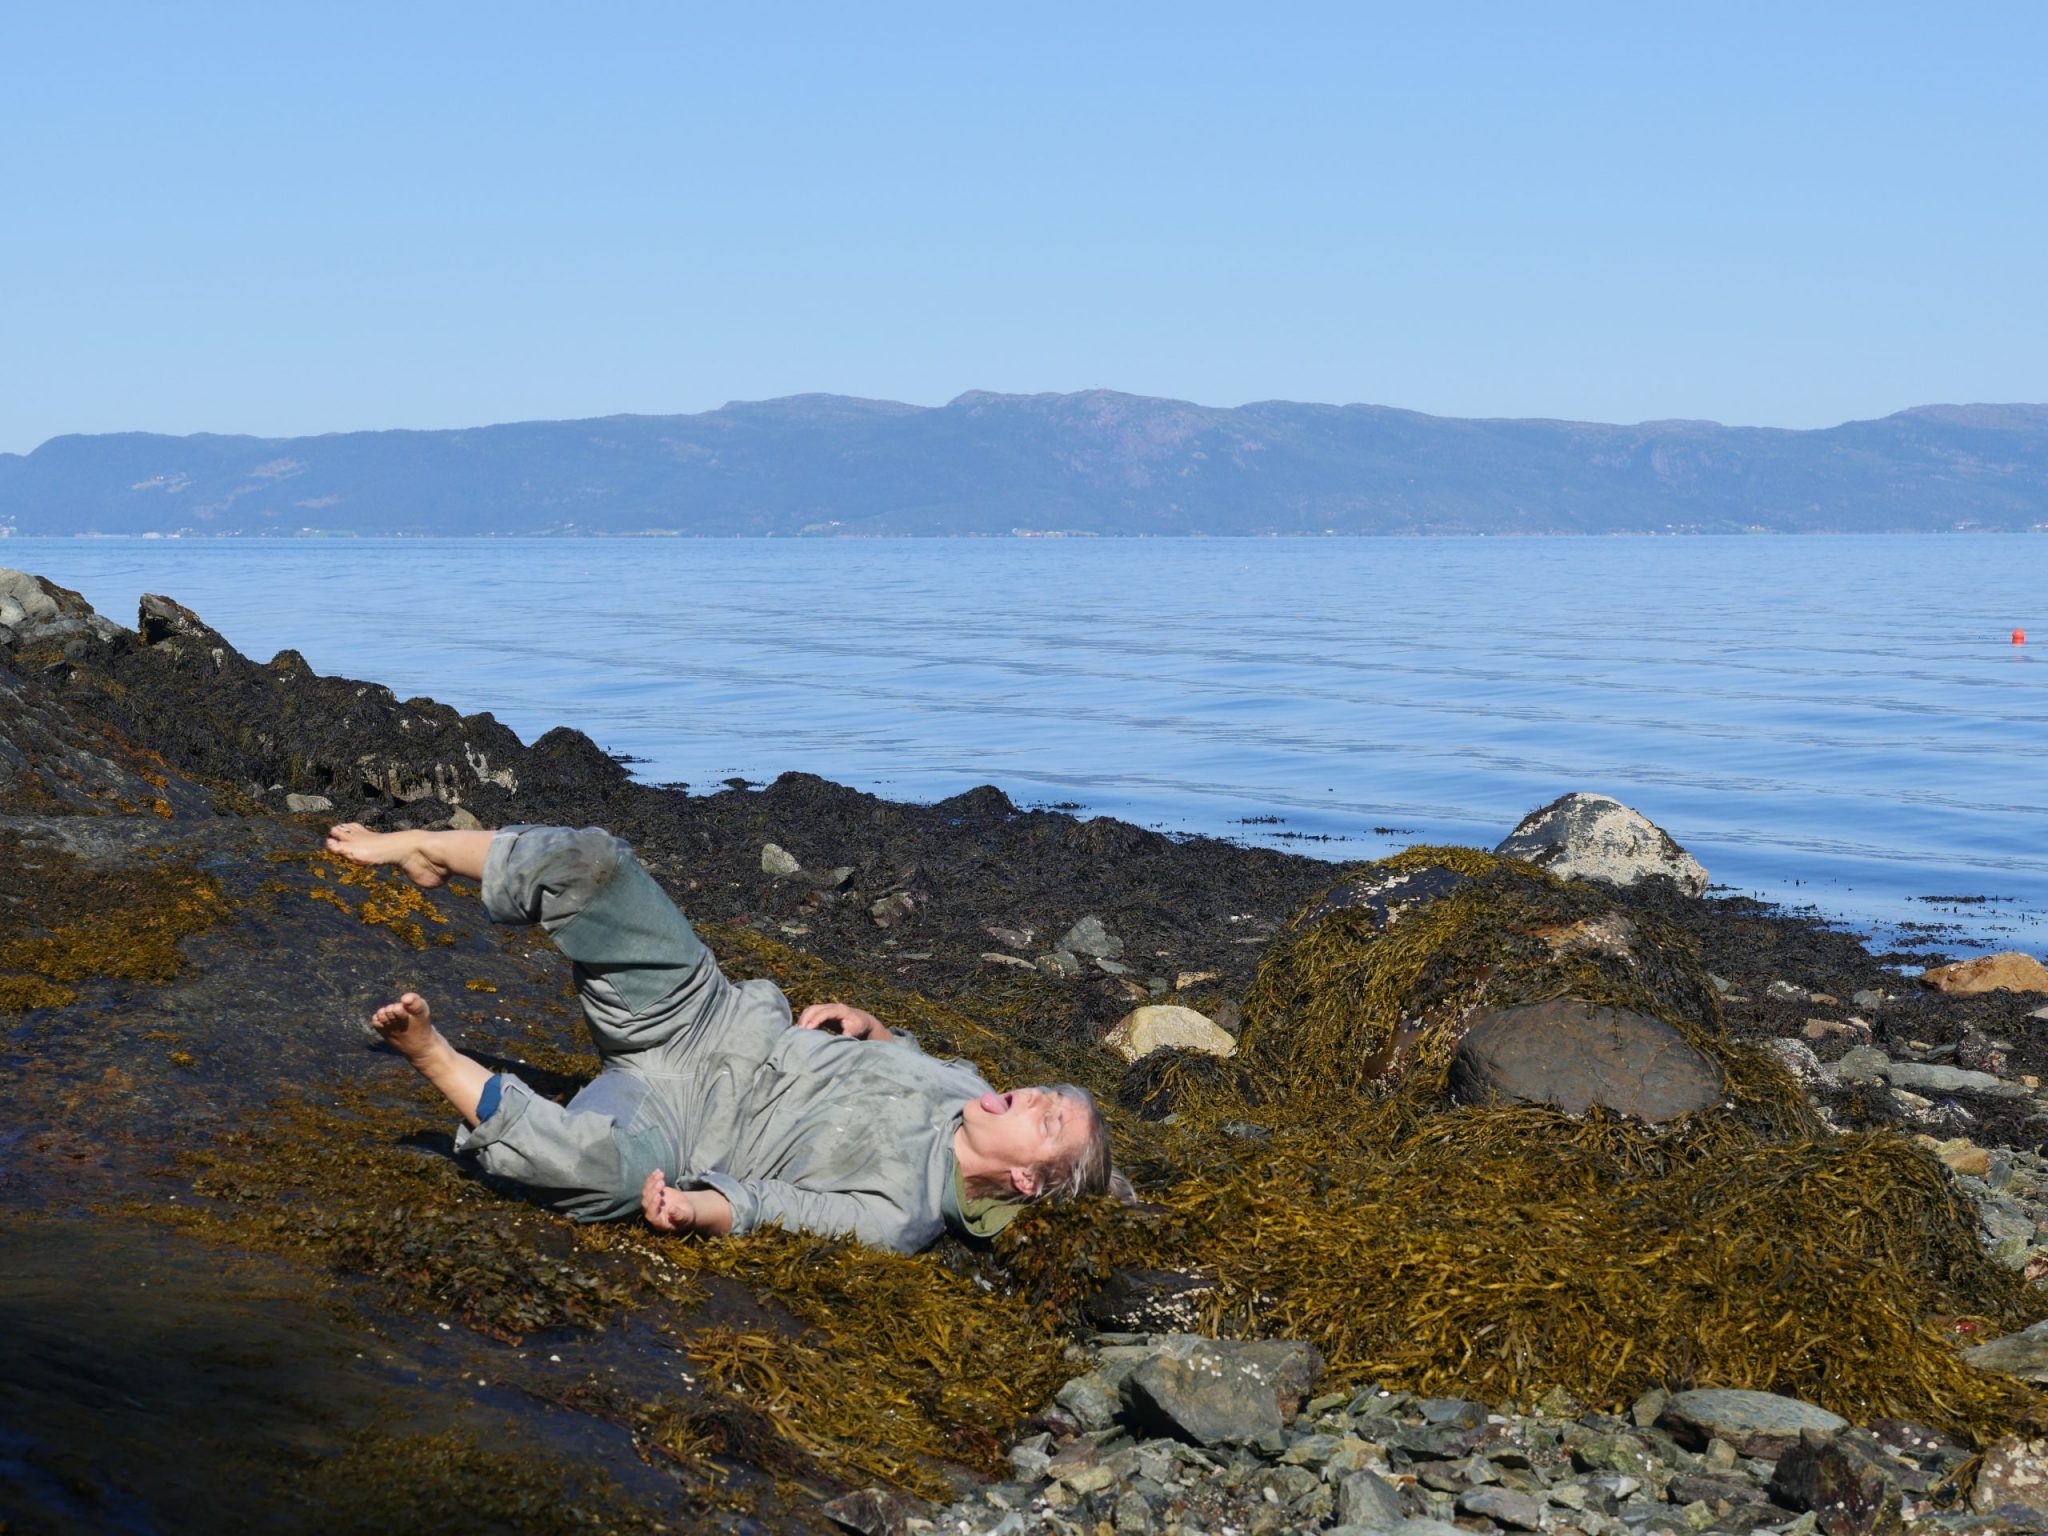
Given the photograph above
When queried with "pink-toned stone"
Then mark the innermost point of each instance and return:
(1961, 1155)
(2009, 970)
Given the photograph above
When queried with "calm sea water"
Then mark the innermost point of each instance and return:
(1834, 721)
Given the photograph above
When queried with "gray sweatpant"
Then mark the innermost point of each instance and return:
(705, 1079)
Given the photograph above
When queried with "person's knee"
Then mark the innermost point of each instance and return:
(582, 858)
(549, 874)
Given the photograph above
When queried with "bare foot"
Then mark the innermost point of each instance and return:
(352, 840)
(410, 1030)
(408, 1027)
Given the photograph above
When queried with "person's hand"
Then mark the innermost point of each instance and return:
(854, 1023)
(666, 1209)
(676, 1210)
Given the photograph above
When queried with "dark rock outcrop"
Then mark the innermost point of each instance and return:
(179, 684)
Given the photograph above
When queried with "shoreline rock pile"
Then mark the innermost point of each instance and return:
(1174, 1435)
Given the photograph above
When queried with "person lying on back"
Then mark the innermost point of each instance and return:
(715, 1111)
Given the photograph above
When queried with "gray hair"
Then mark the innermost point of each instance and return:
(1086, 1172)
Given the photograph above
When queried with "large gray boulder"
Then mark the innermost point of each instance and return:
(33, 610)
(1595, 837)
(1201, 1396)
(1572, 1056)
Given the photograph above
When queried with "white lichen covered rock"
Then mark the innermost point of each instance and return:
(1595, 837)
(21, 591)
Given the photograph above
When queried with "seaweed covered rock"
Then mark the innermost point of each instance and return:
(53, 763)
(1462, 975)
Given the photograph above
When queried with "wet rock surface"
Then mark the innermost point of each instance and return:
(1385, 897)
(197, 1070)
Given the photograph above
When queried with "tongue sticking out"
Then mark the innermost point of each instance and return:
(994, 1103)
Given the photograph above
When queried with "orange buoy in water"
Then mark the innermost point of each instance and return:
(2019, 637)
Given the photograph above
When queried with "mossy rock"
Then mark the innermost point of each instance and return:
(1373, 985)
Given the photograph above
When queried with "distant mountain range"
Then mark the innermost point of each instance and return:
(1091, 463)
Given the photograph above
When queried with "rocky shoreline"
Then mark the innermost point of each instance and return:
(180, 979)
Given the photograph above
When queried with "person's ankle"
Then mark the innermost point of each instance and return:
(427, 1053)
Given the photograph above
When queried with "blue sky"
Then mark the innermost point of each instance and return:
(283, 219)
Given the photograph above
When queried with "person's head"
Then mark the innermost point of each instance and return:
(1047, 1143)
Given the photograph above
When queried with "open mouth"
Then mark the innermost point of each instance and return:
(996, 1103)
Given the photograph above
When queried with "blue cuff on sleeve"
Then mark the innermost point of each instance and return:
(487, 1101)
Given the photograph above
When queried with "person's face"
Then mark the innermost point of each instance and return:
(1025, 1129)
